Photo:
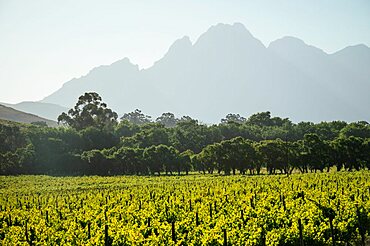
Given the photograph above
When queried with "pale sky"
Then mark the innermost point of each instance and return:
(46, 43)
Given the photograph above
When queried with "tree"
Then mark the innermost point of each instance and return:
(89, 111)
(167, 119)
(9, 163)
(198, 163)
(150, 134)
(274, 154)
(329, 130)
(39, 123)
(236, 118)
(316, 150)
(260, 119)
(208, 159)
(366, 153)
(137, 117)
(130, 160)
(298, 157)
(26, 159)
(186, 118)
(94, 138)
(11, 138)
(351, 152)
(303, 128)
(55, 150)
(98, 162)
(264, 119)
(190, 135)
(234, 155)
(251, 132)
(230, 130)
(126, 129)
(248, 157)
(161, 158)
(358, 129)
(184, 162)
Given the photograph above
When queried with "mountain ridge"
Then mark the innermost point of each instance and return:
(229, 70)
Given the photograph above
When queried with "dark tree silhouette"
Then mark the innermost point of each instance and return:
(89, 111)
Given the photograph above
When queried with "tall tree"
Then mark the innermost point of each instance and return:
(236, 118)
(167, 119)
(89, 111)
(137, 117)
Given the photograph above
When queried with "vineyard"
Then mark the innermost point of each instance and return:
(300, 209)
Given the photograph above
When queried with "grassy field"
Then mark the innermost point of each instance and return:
(309, 209)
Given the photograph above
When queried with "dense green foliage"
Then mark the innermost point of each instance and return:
(90, 140)
(310, 209)
(314, 209)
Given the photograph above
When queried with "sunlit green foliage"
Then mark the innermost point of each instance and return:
(262, 210)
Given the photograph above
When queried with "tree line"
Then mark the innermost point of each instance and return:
(91, 140)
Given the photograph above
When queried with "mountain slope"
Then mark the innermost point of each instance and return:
(346, 92)
(228, 70)
(45, 110)
(10, 114)
(109, 81)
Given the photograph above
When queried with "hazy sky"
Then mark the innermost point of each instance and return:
(46, 43)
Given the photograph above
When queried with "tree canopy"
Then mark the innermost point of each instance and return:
(89, 111)
(91, 141)
(136, 117)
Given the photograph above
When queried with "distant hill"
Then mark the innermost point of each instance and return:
(48, 111)
(10, 114)
(228, 70)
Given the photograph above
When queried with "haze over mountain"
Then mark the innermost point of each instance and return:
(227, 70)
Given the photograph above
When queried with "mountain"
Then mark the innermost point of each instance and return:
(45, 110)
(113, 81)
(229, 70)
(10, 114)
